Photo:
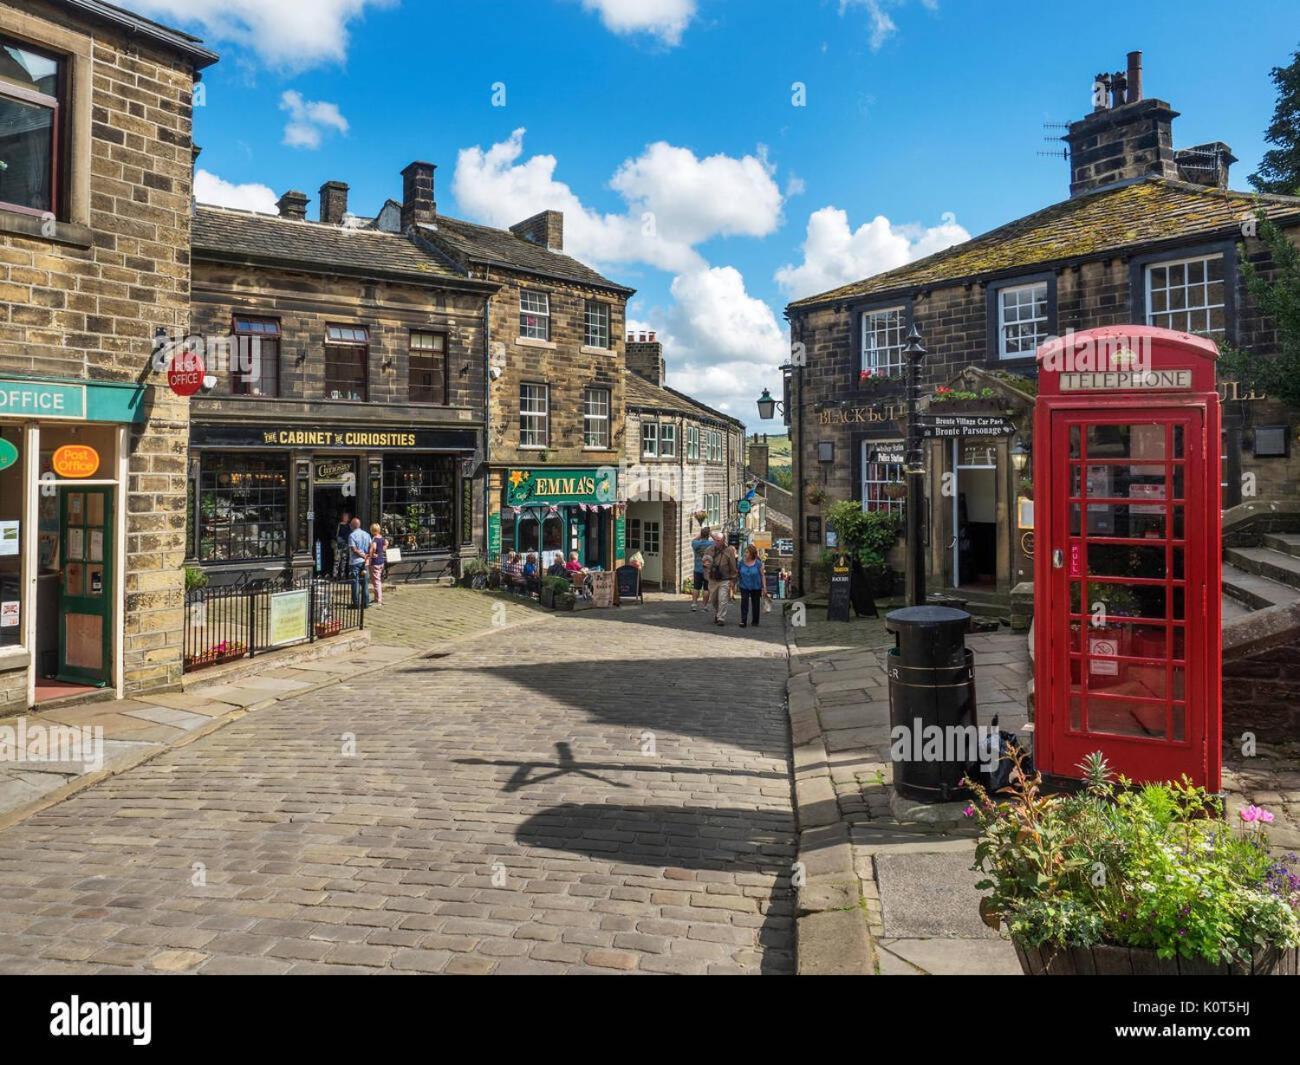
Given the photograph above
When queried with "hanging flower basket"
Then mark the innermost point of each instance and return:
(701, 516)
(817, 495)
(895, 490)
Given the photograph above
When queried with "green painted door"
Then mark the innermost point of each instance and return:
(85, 592)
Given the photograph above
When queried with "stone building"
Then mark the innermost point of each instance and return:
(347, 361)
(684, 468)
(95, 108)
(554, 414)
(1149, 235)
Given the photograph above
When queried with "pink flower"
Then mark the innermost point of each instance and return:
(969, 811)
(1252, 813)
(1265, 817)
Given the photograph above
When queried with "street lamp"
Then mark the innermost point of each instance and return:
(914, 468)
(1019, 456)
(767, 406)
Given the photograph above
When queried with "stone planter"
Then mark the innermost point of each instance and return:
(1107, 960)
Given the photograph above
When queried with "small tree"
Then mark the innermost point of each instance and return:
(867, 535)
(1279, 171)
(1277, 374)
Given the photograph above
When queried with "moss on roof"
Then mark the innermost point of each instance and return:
(1118, 217)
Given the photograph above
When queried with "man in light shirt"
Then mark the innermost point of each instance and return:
(359, 544)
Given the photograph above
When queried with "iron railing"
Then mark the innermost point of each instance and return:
(223, 624)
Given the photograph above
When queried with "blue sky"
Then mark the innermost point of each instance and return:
(669, 131)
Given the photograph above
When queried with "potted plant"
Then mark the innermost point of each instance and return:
(867, 535)
(874, 382)
(966, 401)
(817, 495)
(225, 651)
(473, 571)
(554, 589)
(1122, 877)
(329, 628)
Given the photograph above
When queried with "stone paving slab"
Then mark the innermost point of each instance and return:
(927, 894)
(951, 957)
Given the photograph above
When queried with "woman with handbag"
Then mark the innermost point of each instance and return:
(378, 559)
(751, 586)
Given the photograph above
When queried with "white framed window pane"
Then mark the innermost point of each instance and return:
(597, 325)
(534, 315)
(1187, 295)
(595, 417)
(877, 476)
(883, 340)
(1022, 319)
(668, 441)
(533, 415)
(650, 439)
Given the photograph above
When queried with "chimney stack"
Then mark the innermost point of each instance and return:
(759, 457)
(418, 204)
(293, 204)
(546, 229)
(645, 358)
(1126, 136)
(333, 202)
(1205, 164)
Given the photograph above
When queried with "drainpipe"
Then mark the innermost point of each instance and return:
(487, 418)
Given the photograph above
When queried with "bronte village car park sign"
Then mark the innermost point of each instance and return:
(949, 425)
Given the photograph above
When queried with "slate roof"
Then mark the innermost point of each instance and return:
(1119, 217)
(473, 243)
(246, 236)
(641, 394)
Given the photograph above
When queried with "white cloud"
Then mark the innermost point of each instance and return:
(883, 25)
(665, 19)
(309, 120)
(292, 36)
(674, 200)
(208, 188)
(834, 255)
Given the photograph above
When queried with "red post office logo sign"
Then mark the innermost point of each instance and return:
(185, 374)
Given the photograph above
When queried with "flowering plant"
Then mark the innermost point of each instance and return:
(1149, 866)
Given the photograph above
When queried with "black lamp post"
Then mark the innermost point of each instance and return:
(914, 469)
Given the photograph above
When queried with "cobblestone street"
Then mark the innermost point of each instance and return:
(607, 791)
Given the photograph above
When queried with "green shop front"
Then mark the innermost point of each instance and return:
(554, 511)
(63, 452)
(266, 498)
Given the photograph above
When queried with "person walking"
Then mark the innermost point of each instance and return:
(721, 570)
(700, 583)
(359, 544)
(751, 586)
(378, 560)
(342, 531)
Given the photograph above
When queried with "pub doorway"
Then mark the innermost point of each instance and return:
(974, 513)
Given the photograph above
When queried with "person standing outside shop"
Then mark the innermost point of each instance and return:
(721, 569)
(359, 544)
(751, 586)
(378, 559)
(700, 583)
(341, 533)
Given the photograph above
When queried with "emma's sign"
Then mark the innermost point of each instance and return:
(1126, 379)
(554, 486)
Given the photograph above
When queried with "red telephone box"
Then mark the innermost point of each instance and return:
(1127, 561)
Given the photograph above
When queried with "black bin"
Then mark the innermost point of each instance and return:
(931, 686)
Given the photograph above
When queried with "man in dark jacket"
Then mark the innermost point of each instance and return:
(721, 571)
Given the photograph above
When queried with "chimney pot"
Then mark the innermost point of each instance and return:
(1134, 77)
(545, 228)
(333, 202)
(418, 203)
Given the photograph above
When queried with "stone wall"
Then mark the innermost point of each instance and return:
(86, 302)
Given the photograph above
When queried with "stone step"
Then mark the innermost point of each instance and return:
(1253, 591)
(1287, 543)
(1265, 562)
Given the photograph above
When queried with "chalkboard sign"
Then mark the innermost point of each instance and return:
(602, 589)
(837, 605)
(629, 582)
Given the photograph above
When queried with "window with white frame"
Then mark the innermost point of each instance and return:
(534, 315)
(595, 417)
(1022, 319)
(713, 506)
(692, 443)
(1187, 294)
(596, 325)
(882, 477)
(883, 339)
(667, 441)
(713, 443)
(534, 414)
(650, 440)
